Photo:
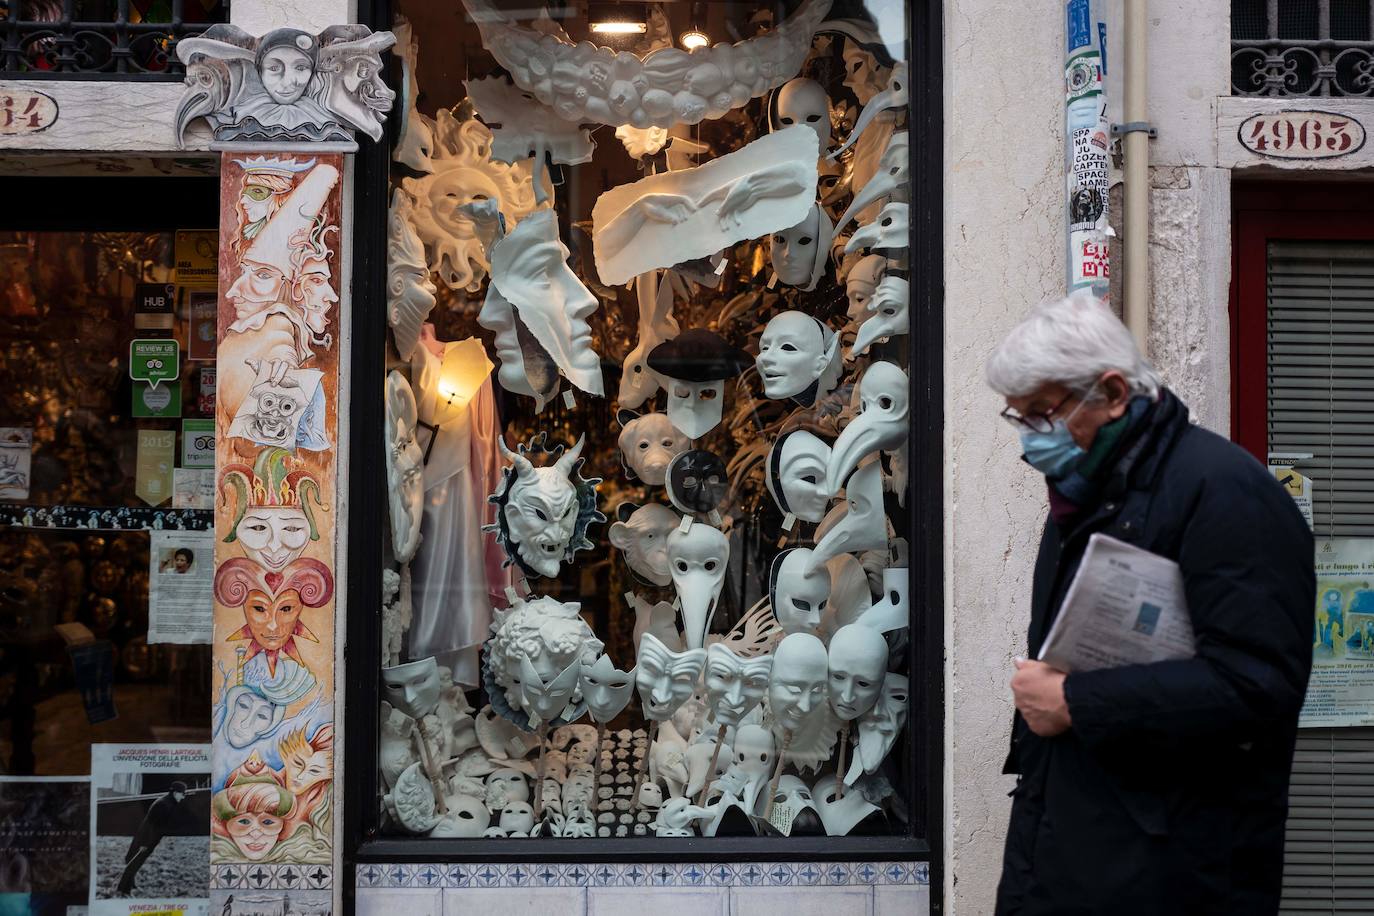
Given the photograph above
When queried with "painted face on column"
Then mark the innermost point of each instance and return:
(405, 467)
(273, 535)
(697, 559)
(413, 687)
(665, 679)
(861, 526)
(804, 101)
(523, 367)
(605, 689)
(529, 267)
(798, 597)
(858, 664)
(796, 475)
(641, 536)
(798, 686)
(889, 314)
(647, 444)
(248, 716)
(694, 367)
(799, 253)
(735, 685)
(797, 356)
(884, 393)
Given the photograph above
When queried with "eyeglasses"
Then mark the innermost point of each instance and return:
(1041, 422)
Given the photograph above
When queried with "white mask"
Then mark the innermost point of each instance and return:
(697, 559)
(413, 687)
(507, 786)
(665, 679)
(647, 444)
(896, 95)
(797, 688)
(862, 75)
(803, 101)
(693, 367)
(699, 761)
(893, 612)
(695, 407)
(735, 685)
(889, 180)
(791, 799)
(858, 662)
(656, 324)
(517, 818)
(878, 729)
(839, 814)
(889, 233)
(798, 597)
(754, 750)
(861, 283)
(405, 467)
(849, 592)
(890, 311)
(529, 267)
(543, 510)
(861, 525)
(409, 291)
(523, 367)
(799, 253)
(797, 357)
(698, 482)
(884, 393)
(641, 536)
(796, 475)
(541, 701)
(467, 817)
(605, 689)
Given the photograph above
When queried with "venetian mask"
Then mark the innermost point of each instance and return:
(522, 366)
(878, 729)
(735, 685)
(862, 75)
(409, 291)
(697, 482)
(754, 751)
(542, 701)
(404, 468)
(285, 63)
(545, 511)
(467, 818)
(665, 679)
(647, 444)
(893, 612)
(858, 662)
(795, 353)
(605, 689)
(507, 786)
(641, 536)
(248, 716)
(860, 524)
(797, 592)
(884, 393)
(551, 635)
(694, 367)
(796, 475)
(254, 833)
(799, 253)
(890, 179)
(803, 101)
(697, 559)
(798, 684)
(896, 95)
(861, 283)
(517, 819)
(889, 233)
(890, 310)
(791, 800)
(413, 687)
(699, 770)
(839, 813)
(529, 267)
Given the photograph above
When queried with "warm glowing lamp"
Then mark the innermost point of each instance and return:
(619, 28)
(693, 39)
(464, 369)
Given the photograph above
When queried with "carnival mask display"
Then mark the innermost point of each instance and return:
(804, 101)
(798, 684)
(697, 558)
(467, 818)
(896, 95)
(694, 367)
(799, 253)
(548, 634)
(797, 592)
(890, 311)
(860, 524)
(405, 471)
(647, 444)
(529, 267)
(879, 727)
(412, 687)
(858, 663)
(656, 324)
(522, 366)
(798, 357)
(544, 512)
(861, 283)
(839, 813)
(893, 612)
(272, 605)
(881, 425)
(665, 679)
(735, 685)
(274, 519)
(542, 701)
(890, 179)
(889, 234)
(409, 291)
(795, 475)
(698, 482)
(641, 536)
(605, 689)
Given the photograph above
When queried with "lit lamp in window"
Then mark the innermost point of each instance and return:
(693, 39)
(464, 369)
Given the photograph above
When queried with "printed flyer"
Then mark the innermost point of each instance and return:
(181, 602)
(1341, 691)
(45, 822)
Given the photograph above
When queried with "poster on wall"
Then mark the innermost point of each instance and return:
(153, 469)
(1284, 467)
(1087, 143)
(150, 816)
(180, 586)
(197, 254)
(16, 459)
(1341, 690)
(46, 825)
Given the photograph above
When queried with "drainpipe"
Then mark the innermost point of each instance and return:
(1136, 149)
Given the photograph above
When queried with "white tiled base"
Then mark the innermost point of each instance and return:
(794, 901)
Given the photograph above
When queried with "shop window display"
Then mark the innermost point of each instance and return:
(646, 572)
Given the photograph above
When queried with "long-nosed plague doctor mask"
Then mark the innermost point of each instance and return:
(605, 689)
(665, 679)
(861, 283)
(735, 685)
(798, 685)
(798, 597)
(799, 253)
(893, 611)
(889, 181)
(798, 357)
(697, 558)
(641, 536)
(889, 315)
(889, 233)
(405, 472)
(896, 95)
(881, 424)
(796, 475)
(858, 664)
(859, 523)
(694, 367)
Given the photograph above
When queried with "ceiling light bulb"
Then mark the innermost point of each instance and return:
(694, 38)
(619, 28)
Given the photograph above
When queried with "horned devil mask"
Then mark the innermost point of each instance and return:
(544, 512)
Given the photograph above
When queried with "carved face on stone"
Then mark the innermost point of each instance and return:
(665, 679)
(413, 687)
(803, 101)
(795, 351)
(798, 686)
(734, 684)
(648, 443)
(858, 664)
(799, 598)
(642, 539)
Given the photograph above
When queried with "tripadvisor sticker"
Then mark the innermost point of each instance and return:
(154, 361)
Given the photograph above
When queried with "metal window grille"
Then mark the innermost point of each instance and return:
(100, 39)
(1302, 47)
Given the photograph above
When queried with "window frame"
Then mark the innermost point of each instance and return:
(366, 515)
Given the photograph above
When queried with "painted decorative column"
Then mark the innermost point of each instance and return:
(282, 108)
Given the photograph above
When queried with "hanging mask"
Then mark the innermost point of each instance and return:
(796, 475)
(884, 393)
(799, 254)
(542, 702)
(405, 467)
(896, 95)
(878, 729)
(849, 593)
(861, 283)
(665, 679)
(890, 179)
(698, 482)
(409, 291)
(641, 536)
(889, 315)
(754, 751)
(529, 267)
(413, 687)
(798, 597)
(694, 367)
(804, 101)
(544, 512)
(798, 357)
(647, 444)
(523, 367)
(735, 685)
(890, 233)
(860, 525)
(605, 689)
(699, 762)
(893, 612)
(797, 688)
(840, 813)
(793, 813)
(862, 75)
(656, 324)
(697, 559)
(467, 818)
(858, 663)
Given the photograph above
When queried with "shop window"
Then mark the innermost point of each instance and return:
(1300, 47)
(657, 545)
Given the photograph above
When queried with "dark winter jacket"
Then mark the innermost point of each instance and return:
(1169, 792)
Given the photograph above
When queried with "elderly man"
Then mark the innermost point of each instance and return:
(1159, 788)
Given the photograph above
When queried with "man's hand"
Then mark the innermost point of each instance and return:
(1038, 691)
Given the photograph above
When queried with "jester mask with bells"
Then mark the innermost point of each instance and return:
(799, 357)
(272, 603)
(697, 559)
(735, 685)
(896, 95)
(543, 512)
(889, 312)
(857, 524)
(274, 520)
(605, 689)
(879, 727)
(884, 393)
(405, 467)
(665, 679)
(641, 536)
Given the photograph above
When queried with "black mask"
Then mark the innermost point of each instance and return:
(697, 481)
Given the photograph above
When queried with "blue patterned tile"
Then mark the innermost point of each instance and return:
(809, 873)
(517, 875)
(604, 875)
(539, 875)
(693, 874)
(369, 875)
(720, 874)
(865, 872)
(894, 872)
(459, 875)
(633, 875)
(663, 875)
(921, 872)
(486, 875)
(835, 873)
(318, 877)
(751, 874)
(428, 876)
(575, 875)
(257, 877)
(781, 874)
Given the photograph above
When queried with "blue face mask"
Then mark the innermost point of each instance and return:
(1054, 453)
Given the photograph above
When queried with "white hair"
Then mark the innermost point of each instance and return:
(1072, 342)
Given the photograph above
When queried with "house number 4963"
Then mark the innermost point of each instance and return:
(1301, 135)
